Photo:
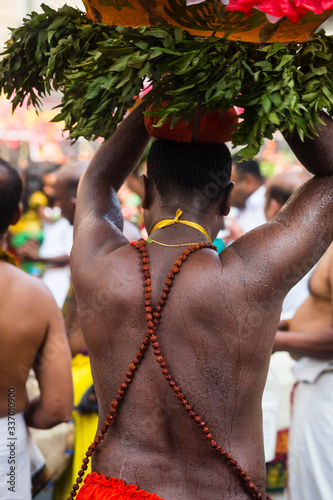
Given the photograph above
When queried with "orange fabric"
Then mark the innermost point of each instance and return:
(97, 486)
(203, 19)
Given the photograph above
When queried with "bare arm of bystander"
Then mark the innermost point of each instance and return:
(316, 344)
(53, 371)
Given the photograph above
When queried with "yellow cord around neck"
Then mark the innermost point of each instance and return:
(169, 222)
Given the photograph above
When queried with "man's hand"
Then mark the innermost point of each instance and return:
(316, 154)
(29, 250)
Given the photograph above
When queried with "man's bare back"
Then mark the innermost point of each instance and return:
(32, 331)
(215, 363)
(216, 334)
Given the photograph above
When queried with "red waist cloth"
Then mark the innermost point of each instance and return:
(97, 486)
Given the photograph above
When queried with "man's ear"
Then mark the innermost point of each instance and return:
(147, 192)
(17, 215)
(226, 199)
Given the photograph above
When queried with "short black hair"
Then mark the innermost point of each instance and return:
(50, 168)
(10, 194)
(71, 186)
(279, 194)
(247, 167)
(196, 169)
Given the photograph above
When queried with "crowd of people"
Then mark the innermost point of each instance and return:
(72, 317)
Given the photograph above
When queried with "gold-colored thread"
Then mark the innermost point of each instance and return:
(150, 240)
(169, 222)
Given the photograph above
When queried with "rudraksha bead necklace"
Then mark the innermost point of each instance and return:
(152, 318)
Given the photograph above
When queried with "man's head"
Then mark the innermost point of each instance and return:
(279, 189)
(10, 196)
(247, 178)
(66, 187)
(196, 172)
(49, 180)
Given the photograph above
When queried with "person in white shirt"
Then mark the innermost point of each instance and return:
(58, 236)
(248, 195)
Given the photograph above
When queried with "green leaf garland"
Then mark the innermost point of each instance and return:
(100, 71)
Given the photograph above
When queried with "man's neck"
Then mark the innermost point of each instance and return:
(202, 229)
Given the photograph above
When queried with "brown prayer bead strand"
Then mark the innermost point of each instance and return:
(253, 490)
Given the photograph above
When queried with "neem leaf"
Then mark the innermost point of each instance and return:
(264, 65)
(286, 59)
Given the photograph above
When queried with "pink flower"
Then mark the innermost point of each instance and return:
(293, 9)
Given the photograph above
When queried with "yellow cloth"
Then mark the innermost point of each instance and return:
(68, 300)
(169, 222)
(85, 427)
(28, 223)
(37, 199)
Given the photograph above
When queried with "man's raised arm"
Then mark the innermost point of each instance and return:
(112, 164)
(98, 220)
(286, 248)
(316, 155)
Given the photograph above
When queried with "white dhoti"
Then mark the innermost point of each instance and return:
(310, 458)
(15, 471)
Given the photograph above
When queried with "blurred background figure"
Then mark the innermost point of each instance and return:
(248, 195)
(61, 186)
(57, 239)
(309, 339)
(27, 235)
(32, 334)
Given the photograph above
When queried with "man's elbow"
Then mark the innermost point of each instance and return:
(65, 415)
(59, 412)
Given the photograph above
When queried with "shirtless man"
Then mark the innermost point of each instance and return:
(32, 334)
(310, 340)
(217, 327)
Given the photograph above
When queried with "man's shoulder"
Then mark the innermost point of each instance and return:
(27, 305)
(29, 287)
